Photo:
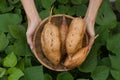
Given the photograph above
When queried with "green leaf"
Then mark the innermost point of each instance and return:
(18, 11)
(115, 74)
(65, 76)
(113, 44)
(91, 61)
(10, 38)
(63, 1)
(71, 11)
(2, 72)
(4, 6)
(62, 9)
(3, 41)
(77, 2)
(47, 77)
(14, 73)
(105, 62)
(38, 5)
(81, 10)
(3, 78)
(44, 13)
(9, 49)
(100, 73)
(117, 5)
(105, 14)
(47, 3)
(115, 62)
(28, 61)
(21, 64)
(85, 1)
(103, 33)
(8, 19)
(21, 48)
(82, 79)
(10, 60)
(17, 31)
(34, 73)
(13, 1)
(0, 61)
(116, 30)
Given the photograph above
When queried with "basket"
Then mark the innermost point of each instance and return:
(57, 20)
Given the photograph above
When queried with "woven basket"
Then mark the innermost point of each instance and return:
(57, 20)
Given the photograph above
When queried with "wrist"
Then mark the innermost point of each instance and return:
(33, 19)
(31, 12)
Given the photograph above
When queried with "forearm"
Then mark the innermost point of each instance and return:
(92, 10)
(30, 10)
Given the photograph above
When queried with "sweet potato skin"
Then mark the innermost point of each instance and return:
(77, 59)
(50, 40)
(63, 34)
(75, 36)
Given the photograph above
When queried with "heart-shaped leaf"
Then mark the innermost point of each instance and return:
(14, 73)
(8, 19)
(17, 31)
(47, 3)
(10, 60)
(100, 73)
(44, 13)
(105, 14)
(34, 73)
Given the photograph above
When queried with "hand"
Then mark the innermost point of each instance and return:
(32, 25)
(90, 31)
(90, 18)
(33, 19)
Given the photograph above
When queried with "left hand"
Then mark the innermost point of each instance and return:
(32, 25)
(33, 19)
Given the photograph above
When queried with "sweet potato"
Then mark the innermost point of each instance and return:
(75, 35)
(63, 34)
(77, 59)
(50, 41)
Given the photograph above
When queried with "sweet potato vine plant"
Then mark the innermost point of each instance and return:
(18, 63)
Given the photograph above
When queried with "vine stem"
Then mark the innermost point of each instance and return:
(49, 19)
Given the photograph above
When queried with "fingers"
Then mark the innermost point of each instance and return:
(29, 39)
(32, 25)
(90, 27)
